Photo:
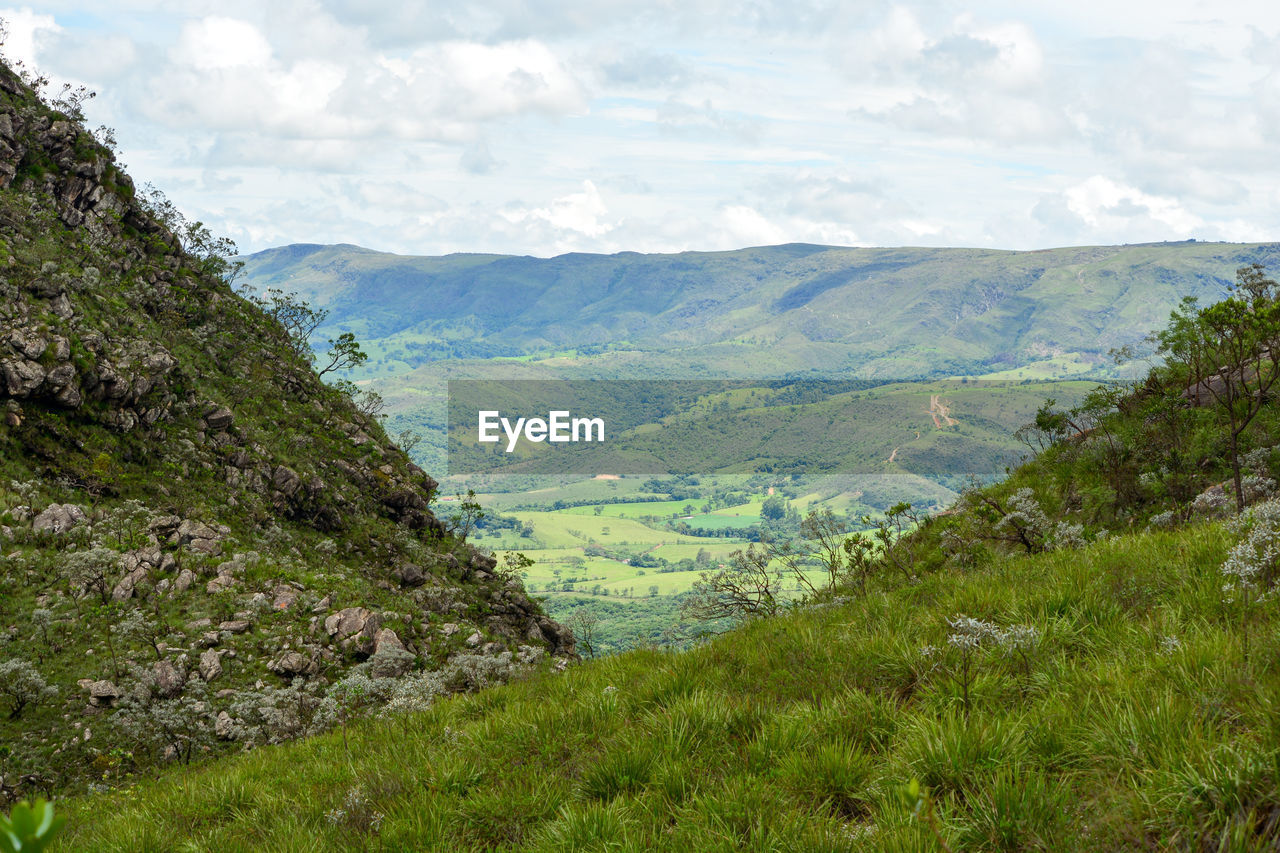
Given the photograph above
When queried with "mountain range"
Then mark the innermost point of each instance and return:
(797, 309)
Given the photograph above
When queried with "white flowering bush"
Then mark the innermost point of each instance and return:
(968, 637)
(1258, 462)
(1213, 503)
(461, 673)
(23, 686)
(356, 812)
(179, 727)
(273, 715)
(1257, 488)
(1028, 521)
(1252, 562)
(1251, 566)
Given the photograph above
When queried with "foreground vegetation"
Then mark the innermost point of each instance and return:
(1130, 719)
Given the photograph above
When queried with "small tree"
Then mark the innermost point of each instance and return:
(181, 725)
(344, 353)
(820, 545)
(469, 512)
(748, 586)
(42, 621)
(139, 627)
(583, 624)
(23, 685)
(298, 319)
(1228, 354)
(92, 571)
(409, 439)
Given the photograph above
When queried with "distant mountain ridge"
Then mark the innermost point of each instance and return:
(772, 310)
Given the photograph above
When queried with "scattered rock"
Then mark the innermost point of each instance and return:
(128, 584)
(450, 628)
(183, 582)
(222, 726)
(103, 693)
(349, 621)
(219, 419)
(386, 639)
(220, 583)
(286, 480)
(210, 664)
(474, 639)
(169, 680)
(410, 575)
(235, 626)
(59, 518)
(292, 664)
(356, 627)
(285, 596)
(197, 536)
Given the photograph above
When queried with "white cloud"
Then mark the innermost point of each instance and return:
(1100, 198)
(542, 126)
(25, 29)
(216, 42)
(571, 216)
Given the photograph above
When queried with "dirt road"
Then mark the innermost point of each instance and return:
(940, 412)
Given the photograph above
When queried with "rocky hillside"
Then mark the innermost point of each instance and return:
(204, 546)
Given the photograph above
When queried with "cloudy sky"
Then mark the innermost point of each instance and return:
(547, 126)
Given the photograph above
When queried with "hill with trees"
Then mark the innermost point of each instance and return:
(204, 546)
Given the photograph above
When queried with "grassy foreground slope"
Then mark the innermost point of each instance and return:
(1134, 722)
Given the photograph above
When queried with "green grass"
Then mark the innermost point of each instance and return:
(657, 509)
(557, 530)
(795, 733)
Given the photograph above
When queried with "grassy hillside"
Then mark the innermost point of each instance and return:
(1133, 722)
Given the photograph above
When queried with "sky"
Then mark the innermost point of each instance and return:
(544, 127)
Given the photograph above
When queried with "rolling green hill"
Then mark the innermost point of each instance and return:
(768, 311)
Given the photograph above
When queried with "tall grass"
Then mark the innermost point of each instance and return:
(1134, 724)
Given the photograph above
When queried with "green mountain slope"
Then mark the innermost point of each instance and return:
(769, 311)
(200, 540)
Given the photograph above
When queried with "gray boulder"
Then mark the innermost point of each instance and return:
(169, 679)
(291, 664)
(59, 518)
(210, 664)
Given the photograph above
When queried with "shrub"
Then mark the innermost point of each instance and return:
(24, 685)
